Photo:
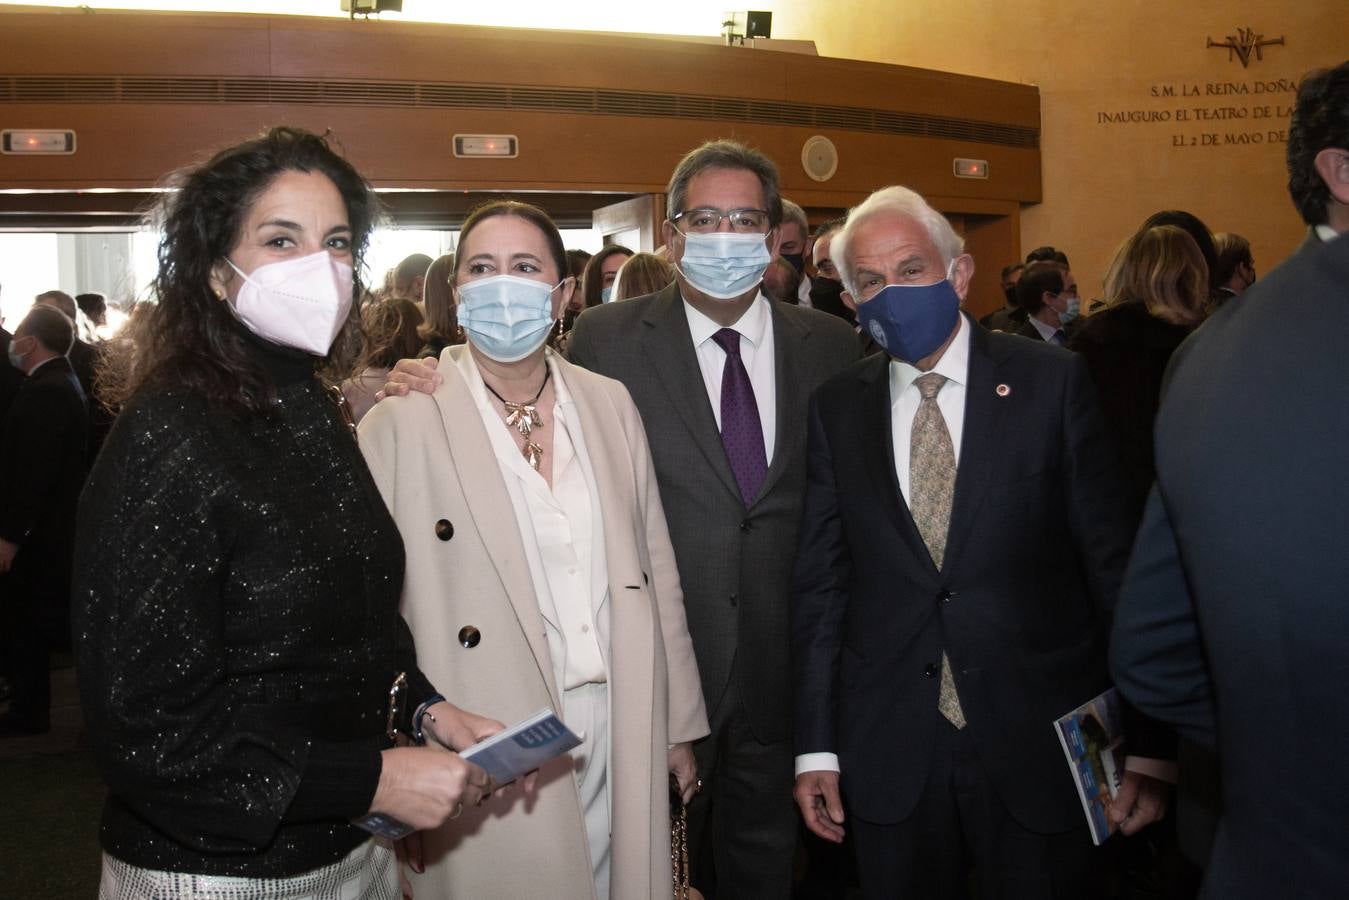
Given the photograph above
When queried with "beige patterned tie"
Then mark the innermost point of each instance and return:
(932, 481)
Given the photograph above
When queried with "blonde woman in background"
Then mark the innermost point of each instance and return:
(1157, 292)
(643, 273)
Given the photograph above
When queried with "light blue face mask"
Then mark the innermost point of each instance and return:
(1072, 309)
(606, 293)
(506, 317)
(15, 358)
(724, 264)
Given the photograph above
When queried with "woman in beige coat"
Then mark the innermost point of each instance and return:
(540, 574)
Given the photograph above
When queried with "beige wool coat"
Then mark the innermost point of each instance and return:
(466, 569)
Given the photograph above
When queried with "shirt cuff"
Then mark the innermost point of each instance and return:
(816, 762)
(1161, 769)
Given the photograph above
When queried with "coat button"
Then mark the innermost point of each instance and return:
(945, 596)
(735, 599)
(930, 670)
(444, 530)
(744, 525)
(469, 637)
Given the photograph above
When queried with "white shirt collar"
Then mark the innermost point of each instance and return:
(954, 364)
(751, 325)
(1326, 233)
(1046, 331)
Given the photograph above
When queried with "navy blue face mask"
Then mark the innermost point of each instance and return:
(911, 320)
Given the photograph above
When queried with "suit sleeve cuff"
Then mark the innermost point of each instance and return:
(816, 762)
(1161, 769)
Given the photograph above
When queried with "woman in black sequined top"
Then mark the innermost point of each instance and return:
(237, 577)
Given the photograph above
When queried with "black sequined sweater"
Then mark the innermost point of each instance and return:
(235, 611)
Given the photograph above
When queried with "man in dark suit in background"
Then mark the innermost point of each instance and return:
(44, 440)
(83, 356)
(961, 548)
(10, 376)
(722, 377)
(1318, 154)
(1047, 292)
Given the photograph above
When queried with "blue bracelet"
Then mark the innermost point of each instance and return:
(422, 713)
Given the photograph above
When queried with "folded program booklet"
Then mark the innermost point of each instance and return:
(522, 747)
(505, 756)
(1093, 742)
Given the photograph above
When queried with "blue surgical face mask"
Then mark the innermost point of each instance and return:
(606, 293)
(724, 264)
(911, 320)
(1071, 310)
(15, 358)
(506, 317)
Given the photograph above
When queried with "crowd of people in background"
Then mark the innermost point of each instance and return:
(748, 442)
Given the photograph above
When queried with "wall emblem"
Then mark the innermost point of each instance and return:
(1243, 43)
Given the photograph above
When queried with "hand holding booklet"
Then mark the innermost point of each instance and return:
(523, 747)
(1093, 741)
(505, 756)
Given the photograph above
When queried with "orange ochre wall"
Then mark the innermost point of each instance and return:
(1138, 114)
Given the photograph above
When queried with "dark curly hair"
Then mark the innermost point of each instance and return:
(189, 339)
(1320, 120)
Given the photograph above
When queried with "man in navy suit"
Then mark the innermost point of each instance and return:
(961, 548)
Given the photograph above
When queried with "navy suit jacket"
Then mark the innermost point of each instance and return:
(1038, 541)
(1233, 617)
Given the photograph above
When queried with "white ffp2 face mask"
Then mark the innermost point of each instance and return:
(724, 264)
(301, 303)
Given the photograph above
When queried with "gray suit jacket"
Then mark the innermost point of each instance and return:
(734, 564)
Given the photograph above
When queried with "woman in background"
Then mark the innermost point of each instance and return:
(598, 282)
(235, 606)
(643, 273)
(391, 334)
(1156, 291)
(540, 574)
(441, 328)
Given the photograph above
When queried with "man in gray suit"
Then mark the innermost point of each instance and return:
(722, 375)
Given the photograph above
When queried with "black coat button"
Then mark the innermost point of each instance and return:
(469, 637)
(930, 670)
(735, 599)
(945, 596)
(444, 530)
(744, 525)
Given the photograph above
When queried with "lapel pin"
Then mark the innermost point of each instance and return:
(1003, 390)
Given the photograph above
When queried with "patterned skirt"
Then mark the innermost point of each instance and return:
(370, 872)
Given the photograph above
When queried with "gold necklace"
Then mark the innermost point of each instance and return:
(524, 417)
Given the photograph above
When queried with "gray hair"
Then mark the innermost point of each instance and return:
(900, 202)
(725, 154)
(791, 212)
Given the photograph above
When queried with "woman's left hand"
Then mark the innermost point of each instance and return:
(455, 728)
(685, 770)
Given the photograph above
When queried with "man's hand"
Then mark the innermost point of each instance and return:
(1140, 802)
(412, 374)
(821, 804)
(685, 769)
(7, 553)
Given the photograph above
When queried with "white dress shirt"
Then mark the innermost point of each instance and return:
(1046, 331)
(756, 352)
(562, 532)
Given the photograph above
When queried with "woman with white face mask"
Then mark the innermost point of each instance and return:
(242, 662)
(540, 574)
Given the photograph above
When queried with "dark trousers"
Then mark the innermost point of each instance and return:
(742, 825)
(961, 837)
(27, 641)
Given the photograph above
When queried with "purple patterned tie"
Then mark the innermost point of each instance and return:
(741, 430)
